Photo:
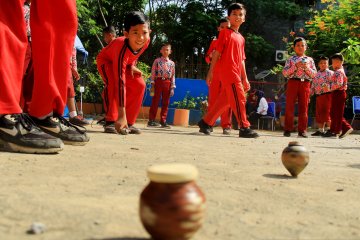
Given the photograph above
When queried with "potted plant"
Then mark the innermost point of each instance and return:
(182, 111)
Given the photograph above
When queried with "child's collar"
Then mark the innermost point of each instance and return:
(131, 50)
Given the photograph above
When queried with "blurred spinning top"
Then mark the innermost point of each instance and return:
(295, 158)
(172, 205)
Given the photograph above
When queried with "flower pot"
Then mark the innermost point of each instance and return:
(181, 117)
(194, 116)
(170, 116)
(90, 108)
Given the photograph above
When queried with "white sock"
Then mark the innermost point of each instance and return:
(72, 114)
(320, 129)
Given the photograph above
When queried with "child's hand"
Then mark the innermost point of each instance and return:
(246, 86)
(209, 78)
(172, 92)
(121, 125)
(75, 74)
(135, 70)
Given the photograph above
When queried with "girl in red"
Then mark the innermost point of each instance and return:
(113, 62)
(233, 76)
(299, 70)
(215, 86)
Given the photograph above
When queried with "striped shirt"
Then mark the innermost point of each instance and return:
(322, 82)
(291, 71)
(163, 68)
(339, 80)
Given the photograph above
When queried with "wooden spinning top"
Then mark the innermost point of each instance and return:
(295, 158)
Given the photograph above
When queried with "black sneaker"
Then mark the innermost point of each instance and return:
(302, 134)
(347, 132)
(134, 130)
(317, 134)
(211, 129)
(329, 134)
(109, 127)
(79, 121)
(248, 133)
(287, 133)
(204, 127)
(59, 127)
(18, 133)
(227, 131)
(164, 125)
(152, 123)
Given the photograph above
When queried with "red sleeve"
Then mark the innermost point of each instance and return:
(222, 40)
(210, 50)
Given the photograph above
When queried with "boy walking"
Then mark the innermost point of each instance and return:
(112, 63)
(339, 126)
(233, 78)
(215, 86)
(321, 87)
(163, 81)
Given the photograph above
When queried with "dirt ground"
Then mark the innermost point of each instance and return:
(92, 192)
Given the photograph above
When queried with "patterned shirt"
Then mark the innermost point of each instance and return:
(339, 80)
(163, 68)
(291, 71)
(26, 9)
(73, 62)
(322, 82)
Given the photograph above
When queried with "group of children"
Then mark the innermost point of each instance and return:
(328, 86)
(46, 130)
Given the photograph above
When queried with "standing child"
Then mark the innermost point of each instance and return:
(109, 34)
(235, 84)
(299, 70)
(321, 87)
(215, 86)
(339, 126)
(112, 63)
(163, 81)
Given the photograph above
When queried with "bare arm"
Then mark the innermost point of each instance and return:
(244, 77)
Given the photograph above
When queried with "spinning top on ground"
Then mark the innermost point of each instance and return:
(295, 158)
(172, 205)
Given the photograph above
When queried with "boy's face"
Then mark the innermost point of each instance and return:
(223, 25)
(138, 35)
(165, 51)
(300, 48)
(237, 17)
(108, 37)
(323, 65)
(336, 63)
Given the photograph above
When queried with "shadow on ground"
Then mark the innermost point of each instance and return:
(278, 176)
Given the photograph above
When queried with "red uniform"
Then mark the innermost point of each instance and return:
(113, 62)
(231, 47)
(215, 89)
(51, 62)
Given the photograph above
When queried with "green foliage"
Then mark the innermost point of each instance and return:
(259, 50)
(146, 71)
(190, 102)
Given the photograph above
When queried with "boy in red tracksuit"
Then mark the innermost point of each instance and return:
(112, 63)
(163, 81)
(321, 87)
(339, 126)
(47, 130)
(234, 80)
(299, 70)
(215, 86)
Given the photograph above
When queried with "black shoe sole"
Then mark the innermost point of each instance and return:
(12, 147)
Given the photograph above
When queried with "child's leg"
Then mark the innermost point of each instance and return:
(303, 103)
(291, 96)
(165, 100)
(155, 99)
(52, 45)
(345, 126)
(135, 88)
(237, 99)
(12, 55)
(220, 105)
(337, 111)
(109, 94)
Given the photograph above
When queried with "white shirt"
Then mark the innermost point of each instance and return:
(263, 107)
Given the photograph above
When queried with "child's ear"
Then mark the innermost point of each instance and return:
(126, 34)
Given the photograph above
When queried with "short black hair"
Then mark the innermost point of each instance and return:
(109, 29)
(338, 56)
(166, 44)
(299, 39)
(222, 21)
(235, 6)
(323, 58)
(134, 18)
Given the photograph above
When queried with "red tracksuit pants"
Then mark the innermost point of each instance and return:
(214, 92)
(53, 28)
(297, 90)
(323, 106)
(162, 90)
(338, 122)
(232, 95)
(134, 90)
